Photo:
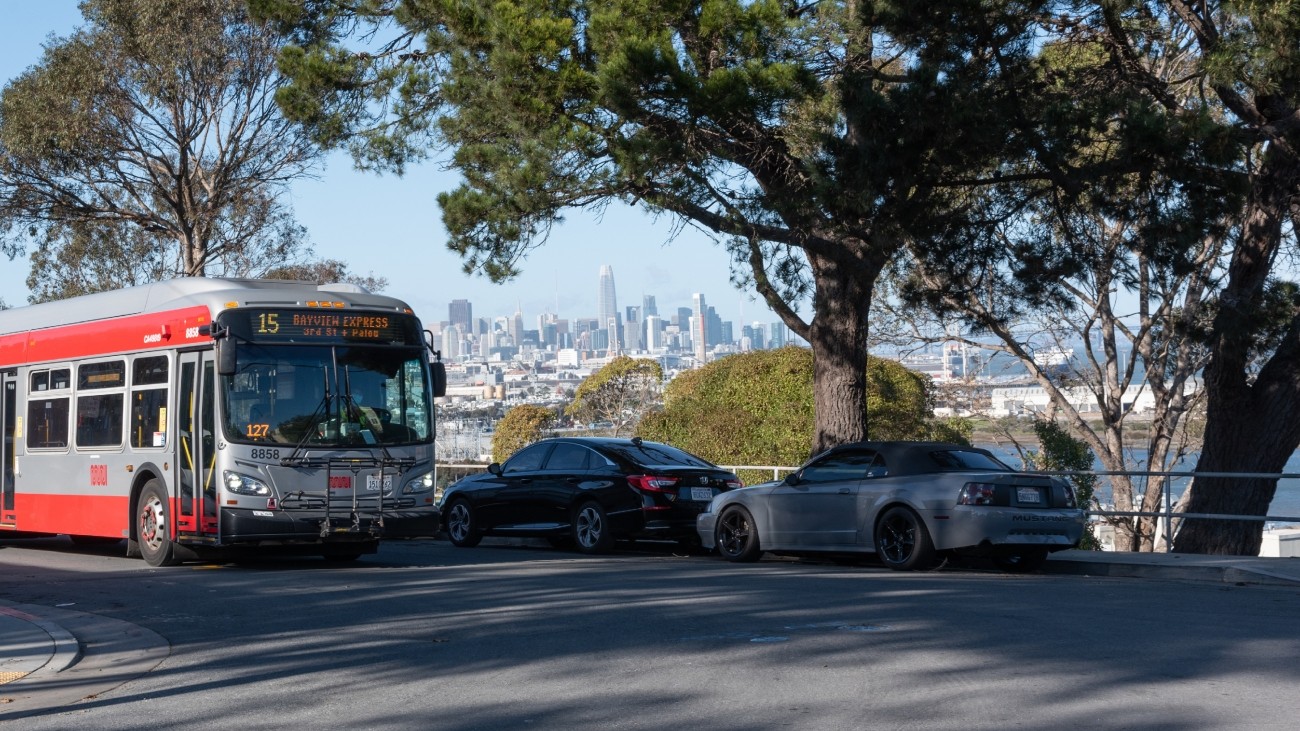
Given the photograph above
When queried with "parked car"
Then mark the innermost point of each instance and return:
(908, 502)
(587, 491)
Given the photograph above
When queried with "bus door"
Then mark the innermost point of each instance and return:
(9, 415)
(196, 445)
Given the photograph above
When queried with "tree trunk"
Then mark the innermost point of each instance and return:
(1251, 423)
(838, 336)
(1248, 445)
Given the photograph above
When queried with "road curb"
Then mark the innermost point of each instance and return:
(90, 655)
(1226, 573)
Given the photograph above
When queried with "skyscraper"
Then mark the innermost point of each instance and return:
(608, 312)
(460, 313)
(700, 328)
(648, 307)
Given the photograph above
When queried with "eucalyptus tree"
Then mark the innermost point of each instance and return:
(148, 144)
(1248, 63)
(1141, 253)
(814, 140)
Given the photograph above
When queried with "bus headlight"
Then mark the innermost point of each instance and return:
(245, 485)
(423, 483)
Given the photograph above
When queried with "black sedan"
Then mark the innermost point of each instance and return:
(585, 491)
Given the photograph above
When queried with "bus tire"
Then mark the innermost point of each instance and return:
(153, 524)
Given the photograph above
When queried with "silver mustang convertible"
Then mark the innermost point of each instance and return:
(906, 501)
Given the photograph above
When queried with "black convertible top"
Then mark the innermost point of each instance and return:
(918, 458)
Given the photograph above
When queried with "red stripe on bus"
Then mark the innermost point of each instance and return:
(169, 329)
(78, 515)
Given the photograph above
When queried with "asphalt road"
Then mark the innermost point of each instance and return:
(427, 636)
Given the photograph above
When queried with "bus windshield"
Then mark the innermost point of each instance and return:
(327, 396)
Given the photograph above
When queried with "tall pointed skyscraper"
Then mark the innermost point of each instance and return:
(700, 329)
(608, 311)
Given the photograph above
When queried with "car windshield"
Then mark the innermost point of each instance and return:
(655, 454)
(334, 396)
(961, 459)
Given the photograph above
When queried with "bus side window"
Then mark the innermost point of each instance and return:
(100, 403)
(149, 405)
(47, 414)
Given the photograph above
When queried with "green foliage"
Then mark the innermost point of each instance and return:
(147, 145)
(620, 392)
(757, 408)
(521, 426)
(1061, 451)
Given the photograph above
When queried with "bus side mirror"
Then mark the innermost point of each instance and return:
(439, 373)
(226, 361)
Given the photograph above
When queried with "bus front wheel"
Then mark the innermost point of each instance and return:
(153, 525)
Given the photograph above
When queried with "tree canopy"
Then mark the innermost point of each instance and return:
(620, 392)
(813, 140)
(148, 144)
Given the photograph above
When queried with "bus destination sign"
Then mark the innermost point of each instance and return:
(303, 326)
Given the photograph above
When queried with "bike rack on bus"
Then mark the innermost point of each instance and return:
(398, 465)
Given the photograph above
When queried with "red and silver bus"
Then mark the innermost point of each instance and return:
(207, 417)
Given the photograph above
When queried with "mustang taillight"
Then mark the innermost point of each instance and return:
(1071, 500)
(976, 493)
(654, 483)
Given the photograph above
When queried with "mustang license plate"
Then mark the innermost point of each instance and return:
(1029, 495)
(701, 493)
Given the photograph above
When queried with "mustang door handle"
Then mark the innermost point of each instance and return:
(844, 491)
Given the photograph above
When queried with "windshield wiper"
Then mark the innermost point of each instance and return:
(322, 411)
(350, 407)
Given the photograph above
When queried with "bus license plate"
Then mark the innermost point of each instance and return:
(372, 482)
(701, 493)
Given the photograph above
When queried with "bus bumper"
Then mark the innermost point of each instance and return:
(316, 526)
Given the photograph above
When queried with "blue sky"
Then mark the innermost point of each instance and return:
(391, 227)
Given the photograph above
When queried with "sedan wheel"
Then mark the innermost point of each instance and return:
(460, 525)
(591, 528)
(902, 540)
(737, 538)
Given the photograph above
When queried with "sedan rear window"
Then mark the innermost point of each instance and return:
(956, 459)
(650, 453)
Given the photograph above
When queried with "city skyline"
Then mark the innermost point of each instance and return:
(390, 227)
(694, 330)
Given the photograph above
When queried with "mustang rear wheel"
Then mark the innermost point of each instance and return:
(460, 525)
(902, 540)
(736, 537)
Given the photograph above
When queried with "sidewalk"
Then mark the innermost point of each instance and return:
(52, 657)
(1178, 567)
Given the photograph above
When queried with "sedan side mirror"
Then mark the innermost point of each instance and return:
(791, 479)
(495, 468)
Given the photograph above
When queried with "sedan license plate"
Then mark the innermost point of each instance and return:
(372, 482)
(702, 493)
(1029, 495)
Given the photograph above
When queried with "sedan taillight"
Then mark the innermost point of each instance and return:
(654, 483)
(976, 493)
